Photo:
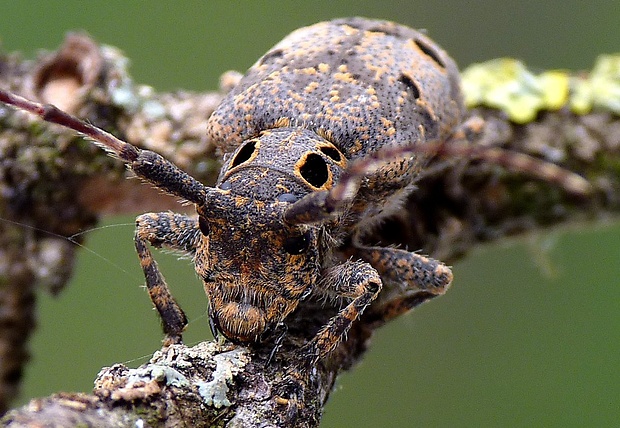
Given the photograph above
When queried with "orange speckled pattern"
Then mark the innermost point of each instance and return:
(362, 83)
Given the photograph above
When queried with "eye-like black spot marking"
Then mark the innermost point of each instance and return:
(203, 225)
(331, 152)
(411, 86)
(244, 154)
(375, 29)
(430, 52)
(429, 123)
(276, 53)
(296, 245)
(314, 170)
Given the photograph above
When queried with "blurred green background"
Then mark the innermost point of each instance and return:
(529, 335)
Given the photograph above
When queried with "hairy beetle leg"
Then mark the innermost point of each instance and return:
(417, 278)
(176, 232)
(354, 280)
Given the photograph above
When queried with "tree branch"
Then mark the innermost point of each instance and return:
(55, 185)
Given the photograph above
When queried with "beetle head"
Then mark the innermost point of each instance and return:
(255, 266)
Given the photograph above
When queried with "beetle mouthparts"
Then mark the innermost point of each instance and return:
(240, 322)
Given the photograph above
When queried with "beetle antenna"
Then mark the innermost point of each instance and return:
(146, 164)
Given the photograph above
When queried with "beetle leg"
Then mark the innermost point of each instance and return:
(354, 280)
(176, 232)
(413, 279)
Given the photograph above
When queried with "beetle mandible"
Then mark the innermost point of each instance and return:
(322, 139)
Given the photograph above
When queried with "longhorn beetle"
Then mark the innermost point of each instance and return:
(322, 138)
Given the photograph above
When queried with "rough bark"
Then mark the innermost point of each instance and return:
(54, 185)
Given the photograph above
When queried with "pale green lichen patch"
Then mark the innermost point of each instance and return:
(601, 89)
(124, 93)
(158, 373)
(228, 364)
(507, 85)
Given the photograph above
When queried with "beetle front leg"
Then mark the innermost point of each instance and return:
(414, 279)
(176, 232)
(354, 280)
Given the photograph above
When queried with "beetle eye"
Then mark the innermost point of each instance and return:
(296, 245)
(203, 225)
